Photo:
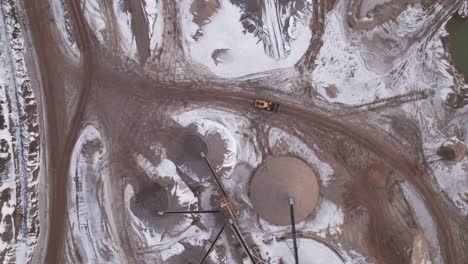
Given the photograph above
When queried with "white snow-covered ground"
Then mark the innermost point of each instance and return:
(93, 229)
(124, 22)
(241, 141)
(340, 63)
(463, 11)
(161, 244)
(103, 18)
(352, 62)
(247, 54)
(309, 251)
(450, 176)
(368, 5)
(92, 215)
(327, 220)
(284, 144)
(153, 9)
(432, 117)
(424, 219)
(364, 70)
(166, 171)
(63, 25)
(96, 19)
(20, 162)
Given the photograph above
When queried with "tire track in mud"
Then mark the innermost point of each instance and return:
(111, 24)
(54, 100)
(397, 158)
(84, 44)
(172, 50)
(317, 25)
(57, 134)
(140, 29)
(202, 92)
(394, 155)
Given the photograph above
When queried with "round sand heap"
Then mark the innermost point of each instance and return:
(280, 178)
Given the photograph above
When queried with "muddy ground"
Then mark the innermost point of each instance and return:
(128, 100)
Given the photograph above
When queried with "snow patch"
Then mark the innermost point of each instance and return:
(225, 31)
(424, 218)
(87, 215)
(167, 170)
(153, 9)
(309, 251)
(328, 219)
(124, 21)
(340, 64)
(162, 244)
(286, 144)
(63, 24)
(235, 131)
(95, 18)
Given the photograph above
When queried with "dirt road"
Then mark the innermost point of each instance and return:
(103, 80)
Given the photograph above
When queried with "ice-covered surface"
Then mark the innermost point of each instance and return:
(19, 142)
(225, 31)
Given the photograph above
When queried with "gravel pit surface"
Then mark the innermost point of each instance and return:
(277, 180)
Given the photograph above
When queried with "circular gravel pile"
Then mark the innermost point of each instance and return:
(278, 179)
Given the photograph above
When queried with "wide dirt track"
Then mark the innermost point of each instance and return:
(105, 86)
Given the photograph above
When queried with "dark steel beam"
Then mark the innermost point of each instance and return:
(214, 174)
(293, 226)
(241, 240)
(189, 212)
(212, 245)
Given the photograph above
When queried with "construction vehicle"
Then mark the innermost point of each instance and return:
(266, 105)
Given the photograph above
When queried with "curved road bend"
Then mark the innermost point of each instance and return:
(60, 144)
